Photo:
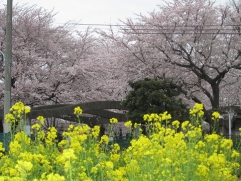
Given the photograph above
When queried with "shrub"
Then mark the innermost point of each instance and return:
(152, 96)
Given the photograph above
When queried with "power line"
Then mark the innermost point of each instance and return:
(186, 33)
(147, 25)
(89, 24)
(188, 29)
(179, 28)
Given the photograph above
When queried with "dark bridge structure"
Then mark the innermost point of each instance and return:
(95, 113)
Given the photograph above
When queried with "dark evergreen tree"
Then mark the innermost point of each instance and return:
(152, 96)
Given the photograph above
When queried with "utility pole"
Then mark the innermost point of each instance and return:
(7, 79)
(230, 117)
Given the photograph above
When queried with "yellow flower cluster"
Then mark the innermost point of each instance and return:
(78, 111)
(51, 135)
(165, 154)
(95, 131)
(215, 116)
(157, 117)
(176, 124)
(2, 150)
(113, 121)
(41, 120)
(19, 108)
(128, 124)
(36, 127)
(137, 125)
(104, 139)
(10, 118)
(17, 112)
(76, 136)
(197, 110)
(23, 167)
(53, 177)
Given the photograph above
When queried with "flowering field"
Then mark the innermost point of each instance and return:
(166, 153)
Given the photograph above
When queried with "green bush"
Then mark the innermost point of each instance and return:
(152, 96)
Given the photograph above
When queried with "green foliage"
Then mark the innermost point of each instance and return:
(152, 96)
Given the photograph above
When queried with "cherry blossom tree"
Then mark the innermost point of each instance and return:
(47, 66)
(194, 42)
(112, 80)
(59, 64)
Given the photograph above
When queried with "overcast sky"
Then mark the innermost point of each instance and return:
(95, 11)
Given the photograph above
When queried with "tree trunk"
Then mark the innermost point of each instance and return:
(215, 101)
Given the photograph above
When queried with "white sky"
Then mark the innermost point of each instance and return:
(95, 11)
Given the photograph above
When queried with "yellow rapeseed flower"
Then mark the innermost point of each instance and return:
(9, 118)
(22, 137)
(51, 135)
(198, 106)
(226, 143)
(192, 111)
(63, 143)
(36, 127)
(113, 120)
(215, 116)
(1, 149)
(137, 125)
(146, 117)
(83, 176)
(104, 139)
(165, 116)
(69, 154)
(71, 126)
(55, 177)
(235, 154)
(41, 119)
(200, 144)
(185, 124)
(115, 157)
(128, 124)
(95, 131)
(109, 165)
(202, 171)
(18, 110)
(14, 147)
(200, 113)
(212, 137)
(24, 166)
(94, 170)
(78, 111)
(197, 109)
(27, 109)
(176, 123)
